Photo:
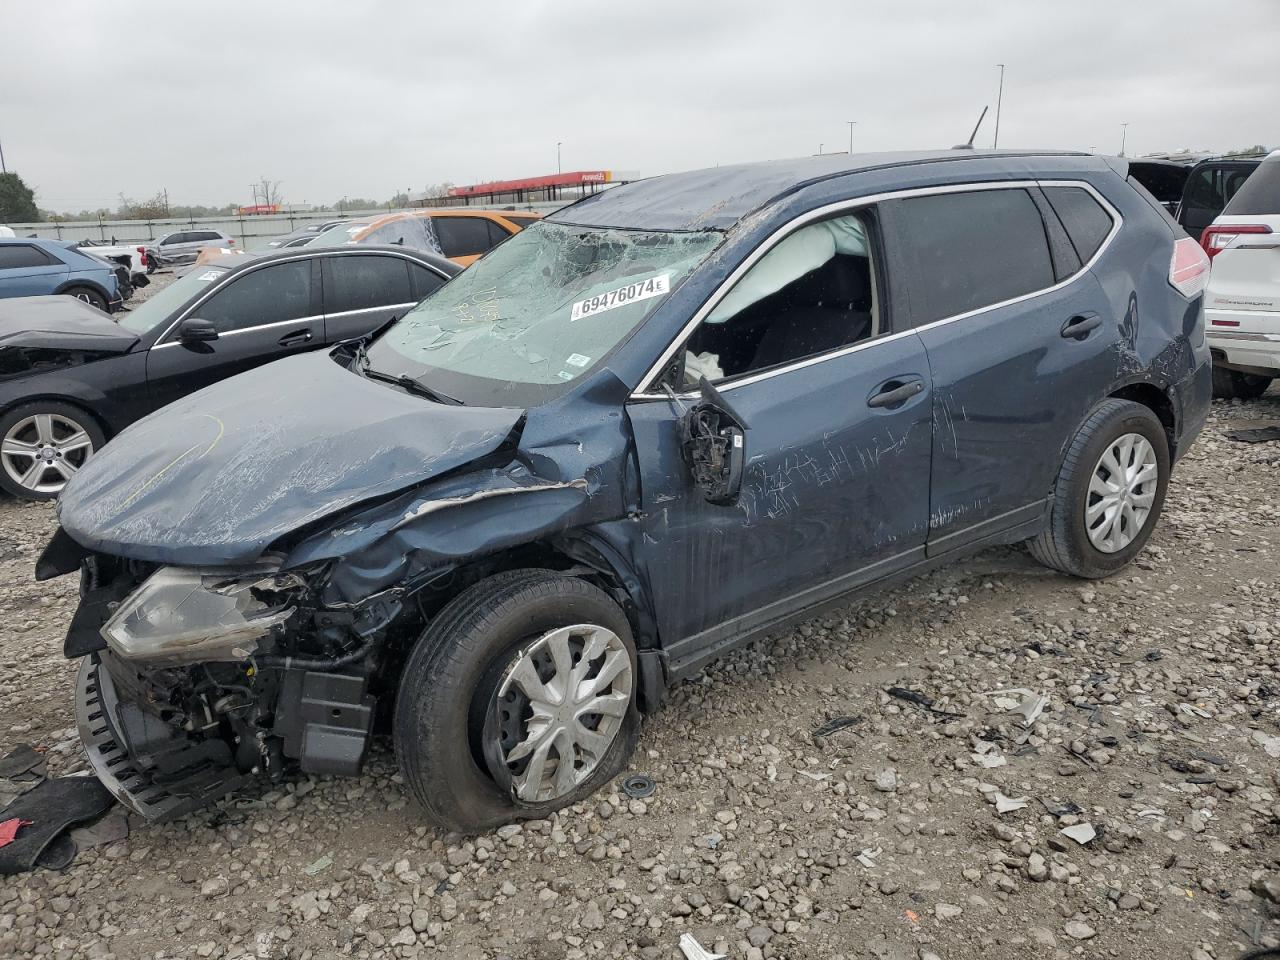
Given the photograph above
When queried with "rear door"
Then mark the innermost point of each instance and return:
(1244, 287)
(28, 271)
(362, 292)
(1020, 338)
(1209, 189)
(261, 315)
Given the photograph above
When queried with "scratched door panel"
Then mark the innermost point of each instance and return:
(1009, 393)
(831, 486)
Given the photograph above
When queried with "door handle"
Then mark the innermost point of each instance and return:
(295, 338)
(1077, 328)
(892, 395)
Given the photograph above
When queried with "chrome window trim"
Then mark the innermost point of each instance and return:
(261, 326)
(163, 339)
(830, 209)
(388, 306)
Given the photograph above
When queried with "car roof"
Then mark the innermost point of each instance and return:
(234, 261)
(718, 197)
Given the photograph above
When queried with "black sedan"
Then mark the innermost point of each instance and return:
(72, 377)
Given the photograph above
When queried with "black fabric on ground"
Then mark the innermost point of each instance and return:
(1257, 435)
(51, 807)
(21, 759)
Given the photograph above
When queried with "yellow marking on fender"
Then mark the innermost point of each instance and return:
(176, 460)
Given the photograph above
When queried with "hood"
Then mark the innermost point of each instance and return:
(215, 478)
(60, 323)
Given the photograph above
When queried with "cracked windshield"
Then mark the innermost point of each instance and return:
(540, 310)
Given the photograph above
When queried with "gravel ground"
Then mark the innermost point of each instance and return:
(765, 838)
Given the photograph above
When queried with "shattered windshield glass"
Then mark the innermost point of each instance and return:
(540, 310)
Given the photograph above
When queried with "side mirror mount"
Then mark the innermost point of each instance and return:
(713, 441)
(195, 330)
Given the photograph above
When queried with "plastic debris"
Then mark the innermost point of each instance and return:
(9, 830)
(868, 857)
(1081, 833)
(921, 700)
(1020, 700)
(1009, 804)
(1271, 745)
(817, 777)
(833, 725)
(316, 866)
(693, 950)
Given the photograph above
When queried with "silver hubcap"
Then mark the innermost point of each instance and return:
(560, 705)
(1121, 492)
(42, 452)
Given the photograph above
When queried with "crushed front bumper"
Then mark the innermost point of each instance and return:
(151, 767)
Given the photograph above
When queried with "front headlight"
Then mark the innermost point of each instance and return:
(193, 614)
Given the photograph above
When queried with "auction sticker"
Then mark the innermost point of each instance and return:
(620, 297)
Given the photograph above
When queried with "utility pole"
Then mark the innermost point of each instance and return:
(820, 146)
(166, 201)
(995, 143)
(851, 123)
(3, 168)
(558, 142)
(1124, 135)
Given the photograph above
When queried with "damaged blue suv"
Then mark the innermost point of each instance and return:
(668, 419)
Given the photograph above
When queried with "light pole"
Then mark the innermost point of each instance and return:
(851, 123)
(995, 143)
(558, 142)
(1124, 134)
(3, 168)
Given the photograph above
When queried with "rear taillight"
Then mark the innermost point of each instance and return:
(1218, 236)
(1188, 268)
(231, 243)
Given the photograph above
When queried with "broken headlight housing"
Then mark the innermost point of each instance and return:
(196, 614)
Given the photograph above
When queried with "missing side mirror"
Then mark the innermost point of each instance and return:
(713, 440)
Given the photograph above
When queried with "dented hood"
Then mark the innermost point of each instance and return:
(60, 323)
(216, 477)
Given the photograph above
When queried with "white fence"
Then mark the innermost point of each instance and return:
(250, 231)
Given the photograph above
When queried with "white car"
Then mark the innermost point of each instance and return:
(183, 246)
(131, 255)
(1242, 302)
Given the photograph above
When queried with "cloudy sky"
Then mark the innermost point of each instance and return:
(372, 97)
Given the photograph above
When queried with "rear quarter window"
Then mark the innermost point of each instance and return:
(1086, 221)
(1259, 195)
(966, 251)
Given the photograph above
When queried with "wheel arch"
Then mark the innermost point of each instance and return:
(82, 282)
(1159, 402)
(70, 401)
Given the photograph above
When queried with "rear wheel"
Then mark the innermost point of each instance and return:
(1234, 385)
(518, 700)
(1109, 492)
(42, 445)
(88, 295)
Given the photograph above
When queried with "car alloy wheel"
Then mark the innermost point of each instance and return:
(1121, 492)
(560, 704)
(43, 451)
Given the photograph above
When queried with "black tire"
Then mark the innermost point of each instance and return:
(1064, 544)
(89, 295)
(10, 464)
(1234, 385)
(454, 667)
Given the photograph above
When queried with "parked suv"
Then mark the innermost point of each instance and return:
(1242, 305)
(668, 419)
(33, 268)
(183, 246)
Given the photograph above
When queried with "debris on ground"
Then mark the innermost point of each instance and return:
(693, 950)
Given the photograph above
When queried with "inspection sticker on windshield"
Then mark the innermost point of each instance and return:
(210, 275)
(631, 293)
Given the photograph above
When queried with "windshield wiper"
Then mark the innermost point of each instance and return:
(406, 382)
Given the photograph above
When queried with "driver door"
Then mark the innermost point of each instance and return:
(834, 486)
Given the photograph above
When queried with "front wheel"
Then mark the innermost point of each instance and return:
(518, 700)
(1234, 385)
(88, 295)
(1109, 492)
(42, 445)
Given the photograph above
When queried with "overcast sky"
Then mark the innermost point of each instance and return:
(372, 97)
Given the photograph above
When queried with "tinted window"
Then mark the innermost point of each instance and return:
(1260, 194)
(23, 255)
(497, 233)
(965, 251)
(1087, 222)
(521, 221)
(1212, 187)
(202, 235)
(356, 283)
(424, 280)
(269, 295)
(462, 236)
(173, 238)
